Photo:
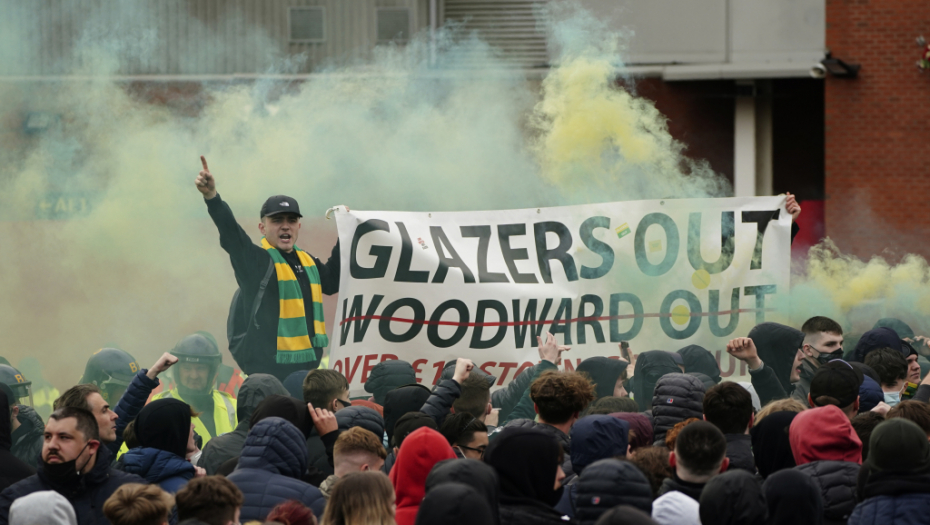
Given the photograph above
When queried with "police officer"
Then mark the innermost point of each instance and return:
(194, 383)
(28, 427)
(111, 370)
(276, 321)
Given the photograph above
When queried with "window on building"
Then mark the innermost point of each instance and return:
(393, 24)
(307, 24)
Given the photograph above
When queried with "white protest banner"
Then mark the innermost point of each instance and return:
(430, 287)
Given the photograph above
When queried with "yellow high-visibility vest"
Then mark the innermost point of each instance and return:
(224, 413)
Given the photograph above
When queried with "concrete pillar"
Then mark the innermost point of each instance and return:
(744, 147)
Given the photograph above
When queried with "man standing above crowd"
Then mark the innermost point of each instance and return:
(280, 301)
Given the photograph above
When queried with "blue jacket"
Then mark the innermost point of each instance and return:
(87, 496)
(169, 471)
(893, 499)
(129, 406)
(272, 462)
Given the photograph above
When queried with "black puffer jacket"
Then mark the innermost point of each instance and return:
(253, 391)
(388, 375)
(837, 482)
(650, 367)
(361, 416)
(439, 404)
(564, 441)
(607, 483)
(507, 398)
(29, 437)
(777, 345)
(739, 451)
(677, 397)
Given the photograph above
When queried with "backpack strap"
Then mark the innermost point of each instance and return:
(261, 293)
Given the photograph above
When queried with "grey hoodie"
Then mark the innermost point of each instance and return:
(42, 508)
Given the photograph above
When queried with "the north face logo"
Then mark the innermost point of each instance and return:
(670, 401)
(285, 203)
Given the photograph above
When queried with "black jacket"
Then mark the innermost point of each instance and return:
(607, 483)
(250, 262)
(273, 461)
(506, 398)
(777, 345)
(252, 392)
(692, 490)
(650, 367)
(564, 440)
(530, 513)
(133, 401)
(12, 469)
(87, 497)
(472, 472)
(401, 400)
(440, 401)
(677, 397)
(894, 498)
(733, 498)
(739, 450)
(803, 387)
(837, 482)
(29, 437)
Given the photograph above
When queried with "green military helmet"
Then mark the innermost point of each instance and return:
(193, 351)
(17, 384)
(111, 370)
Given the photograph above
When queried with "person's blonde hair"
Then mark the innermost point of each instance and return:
(137, 504)
(787, 404)
(361, 498)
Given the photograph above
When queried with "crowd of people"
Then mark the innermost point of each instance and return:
(816, 436)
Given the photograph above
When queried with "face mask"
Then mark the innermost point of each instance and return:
(823, 359)
(65, 473)
(892, 398)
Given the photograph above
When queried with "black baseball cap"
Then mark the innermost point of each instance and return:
(277, 204)
(837, 379)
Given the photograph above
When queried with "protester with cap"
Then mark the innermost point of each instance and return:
(199, 359)
(897, 488)
(836, 383)
(280, 302)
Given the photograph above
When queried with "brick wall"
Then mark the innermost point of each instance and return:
(878, 129)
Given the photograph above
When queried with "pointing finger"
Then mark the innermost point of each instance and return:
(203, 160)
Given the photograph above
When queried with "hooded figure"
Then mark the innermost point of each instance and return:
(733, 498)
(294, 384)
(827, 448)
(253, 391)
(273, 461)
(897, 487)
(594, 438)
(42, 508)
(476, 474)
(11, 468)
(418, 454)
(388, 375)
(792, 498)
(870, 394)
(163, 429)
(604, 373)
(397, 402)
(777, 346)
(526, 461)
(677, 397)
(879, 338)
(650, 366)
(640, 434)
(771, 444)
(606, 484)
(625, 515)
(454, 504)
(698, 359)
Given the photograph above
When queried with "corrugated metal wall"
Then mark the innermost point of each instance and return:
(181, 37)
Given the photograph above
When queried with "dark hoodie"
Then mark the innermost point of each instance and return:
(606, 484)
(454, 504)
(361, 416)
(11, 468)
(526, 460)
(29, 437)
(650, 366)
(594, 438)
(698, 359)
(793, 498)
(733, 498)
(604, 373)
(397, 402)
(388, 375)
(677, 397)
(626, 515)
(163, 429)
(771, 444)
(777, 345)
(476, 474)
(253, 391)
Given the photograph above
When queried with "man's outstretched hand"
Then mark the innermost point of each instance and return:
(206, 184)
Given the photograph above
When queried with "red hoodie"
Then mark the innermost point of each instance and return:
(824, 433)
(420, 451)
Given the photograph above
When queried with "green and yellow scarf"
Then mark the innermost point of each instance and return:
(294, 343)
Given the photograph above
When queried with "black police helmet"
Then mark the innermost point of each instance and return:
(199, 348)
(17, 383)
(110, 370)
